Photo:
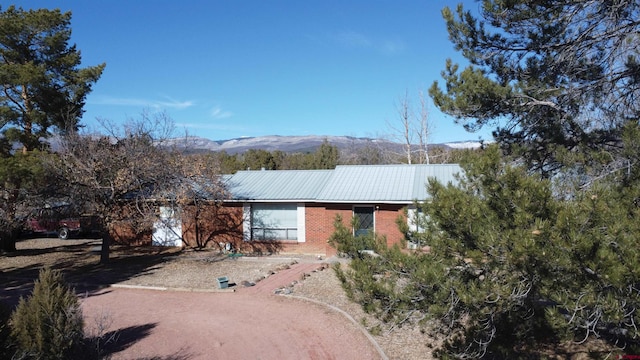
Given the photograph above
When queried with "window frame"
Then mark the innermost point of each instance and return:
(292, 233)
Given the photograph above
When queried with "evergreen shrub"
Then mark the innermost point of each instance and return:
(48, 324)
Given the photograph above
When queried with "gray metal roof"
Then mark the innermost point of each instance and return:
(277, 185)
(444, 173)
(370, 183)
(345, 184)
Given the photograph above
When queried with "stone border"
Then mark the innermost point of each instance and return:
(162, 288)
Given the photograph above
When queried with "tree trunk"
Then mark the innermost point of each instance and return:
(104, 251)
(11, 230)
(28, 125)
(7, 242)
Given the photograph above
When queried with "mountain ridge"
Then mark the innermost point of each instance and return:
(295, 143)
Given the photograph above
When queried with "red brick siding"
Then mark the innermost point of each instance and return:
(218, 225)
(320, 218)
(128, 228)
(225, 225)
(385, 222)
(319, 224)
(214, 224)
(123, 233)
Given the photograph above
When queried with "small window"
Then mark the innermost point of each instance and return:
(365, 220)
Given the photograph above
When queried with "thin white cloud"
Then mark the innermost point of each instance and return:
(355, 40)
(218, 113)
(145, 103)
(391, 47)
(176, 104)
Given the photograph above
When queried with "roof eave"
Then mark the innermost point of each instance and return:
(322, 201)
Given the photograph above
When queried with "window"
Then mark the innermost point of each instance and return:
(274, 222)
(364, 216)
(416, 220)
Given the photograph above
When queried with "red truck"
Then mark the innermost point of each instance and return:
(60, 221)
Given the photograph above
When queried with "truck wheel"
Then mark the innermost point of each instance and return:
(63, 233)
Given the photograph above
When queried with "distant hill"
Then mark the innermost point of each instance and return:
(287, 144)
(292, 143)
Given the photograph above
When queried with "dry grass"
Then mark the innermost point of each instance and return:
(407, 342)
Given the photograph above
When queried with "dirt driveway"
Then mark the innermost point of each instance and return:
(241, 325)
(203, 323)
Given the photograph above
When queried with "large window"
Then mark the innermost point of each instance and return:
(274, 222)
(364, 216)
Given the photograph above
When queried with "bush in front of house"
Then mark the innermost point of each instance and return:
(6, 345)
(352, 246)
(48, 324)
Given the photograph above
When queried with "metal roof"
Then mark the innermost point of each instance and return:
(345, 184)
(444, 173)
(277, 185)
(370, 183)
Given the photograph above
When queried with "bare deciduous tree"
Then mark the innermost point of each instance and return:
(423, 130)
(412, 129)
(124, 176)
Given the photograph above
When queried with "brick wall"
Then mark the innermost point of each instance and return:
(225, 225)
(212, 225)
(320, 218)
(124, 233)
(319, 224)
(129, 228)
(385, 221)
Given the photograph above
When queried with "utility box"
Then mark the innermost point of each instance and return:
(223, 282)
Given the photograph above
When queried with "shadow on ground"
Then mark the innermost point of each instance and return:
(111, 342)
(80, 264)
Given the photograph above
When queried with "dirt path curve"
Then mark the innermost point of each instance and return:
(251, 323)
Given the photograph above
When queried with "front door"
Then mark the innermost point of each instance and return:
(365, 220)
(167, 231)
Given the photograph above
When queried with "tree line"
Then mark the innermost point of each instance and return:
(326, 156)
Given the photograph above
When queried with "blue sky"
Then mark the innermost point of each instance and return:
(228, 69)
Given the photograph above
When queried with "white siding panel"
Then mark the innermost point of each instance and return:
(302, 230)
(246, 222)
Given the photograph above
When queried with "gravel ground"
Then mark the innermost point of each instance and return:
(398, 343)
(192, 270)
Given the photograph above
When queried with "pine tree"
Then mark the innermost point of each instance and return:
(6, 345)
(23, 183)
(39, 70)
(554, 76)
(513, 268)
